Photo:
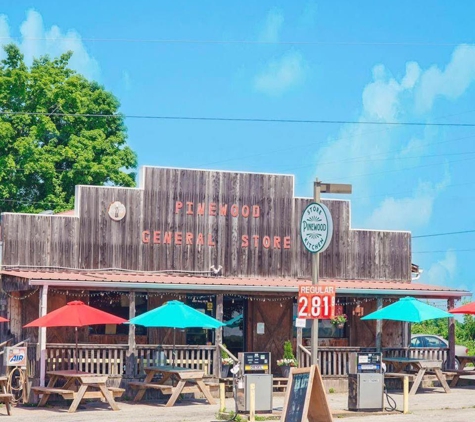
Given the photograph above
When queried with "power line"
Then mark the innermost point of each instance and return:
(447, 250)
(244, 42)
(444, 234)
(237, 119)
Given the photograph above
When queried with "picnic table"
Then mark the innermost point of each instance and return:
(174, 381)
(4, 396)
(79, 385)
(421, 366)
(464, 361)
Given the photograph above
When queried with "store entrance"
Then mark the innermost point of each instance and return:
(234, 316)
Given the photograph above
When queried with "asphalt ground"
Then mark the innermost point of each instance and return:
(432, 405)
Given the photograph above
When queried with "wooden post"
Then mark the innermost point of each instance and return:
(451, 356)
(405, 406)
(132, 349)
(42, 334)
(379, 324)
(252, 404)
(299, 342)
(218, 336)
(222, 397)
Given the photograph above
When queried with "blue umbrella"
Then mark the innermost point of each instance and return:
(408, 309)
(176, 314)
(234, 322)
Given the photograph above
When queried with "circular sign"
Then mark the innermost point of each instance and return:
(316, 227)
(117, 211)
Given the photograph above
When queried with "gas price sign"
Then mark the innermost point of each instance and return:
(316, 302)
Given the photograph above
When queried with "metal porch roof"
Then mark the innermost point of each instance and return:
(108, 279)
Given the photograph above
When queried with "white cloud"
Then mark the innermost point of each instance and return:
(281, 74)
(442, 272)
(408, 213)
(451, 82)
(272, 26)
(4, 34)
(37, 41)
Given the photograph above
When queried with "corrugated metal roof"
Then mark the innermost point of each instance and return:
(182, 281)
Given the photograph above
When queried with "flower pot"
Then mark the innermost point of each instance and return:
(340, 325)
(285, 370)
(224, 371)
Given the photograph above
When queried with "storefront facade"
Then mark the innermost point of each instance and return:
(226, 243)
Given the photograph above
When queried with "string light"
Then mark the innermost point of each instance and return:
(20, 297)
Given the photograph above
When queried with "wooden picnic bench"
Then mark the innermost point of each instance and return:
(79, 385)
(5, 398)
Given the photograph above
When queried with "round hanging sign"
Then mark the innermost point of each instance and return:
(117, 211)
(316, 227)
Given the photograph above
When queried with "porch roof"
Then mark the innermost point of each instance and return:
(108, 279)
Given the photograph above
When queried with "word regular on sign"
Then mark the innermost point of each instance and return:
(316, 302)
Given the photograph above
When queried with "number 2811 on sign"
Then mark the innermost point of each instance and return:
(316, 302)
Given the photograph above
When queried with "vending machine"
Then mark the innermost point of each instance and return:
(365, 381)
(255, 369)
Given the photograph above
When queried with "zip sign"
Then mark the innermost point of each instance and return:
(316, 302)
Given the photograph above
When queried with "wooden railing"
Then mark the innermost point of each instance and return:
(112, 358)
(333, 360)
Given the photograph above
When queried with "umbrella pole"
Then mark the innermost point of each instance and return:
(173, 351)
(76, 354)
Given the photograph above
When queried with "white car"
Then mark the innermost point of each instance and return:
(432, 341)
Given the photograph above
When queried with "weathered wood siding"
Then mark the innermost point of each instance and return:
(266, 245)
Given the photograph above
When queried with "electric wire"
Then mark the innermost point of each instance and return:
(443, 234)
(237, 119)
(247, 42)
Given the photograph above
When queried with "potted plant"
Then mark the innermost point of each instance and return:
(226, 362)
(339, 320)
(288, 360)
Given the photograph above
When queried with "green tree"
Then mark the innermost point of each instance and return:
(44, 151)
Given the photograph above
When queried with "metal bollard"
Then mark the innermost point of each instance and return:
(405, 389)
(252, 408)
(222, 397)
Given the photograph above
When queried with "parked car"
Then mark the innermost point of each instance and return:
(432, 341)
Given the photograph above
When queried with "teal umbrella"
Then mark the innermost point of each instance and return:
(408, 309)
(176, 314)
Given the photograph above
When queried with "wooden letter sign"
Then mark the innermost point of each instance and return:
(316, 301)
(305, 398)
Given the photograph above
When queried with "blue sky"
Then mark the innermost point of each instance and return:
(348, 61)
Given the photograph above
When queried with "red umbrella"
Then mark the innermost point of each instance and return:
(75, 314)
(3, 319)
(469, 308)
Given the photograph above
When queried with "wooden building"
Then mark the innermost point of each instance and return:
(227, 243)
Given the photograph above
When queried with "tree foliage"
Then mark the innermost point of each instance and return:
(43, 156)
(464, 331)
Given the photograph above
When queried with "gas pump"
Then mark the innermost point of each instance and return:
(254, 369)
(365, 381)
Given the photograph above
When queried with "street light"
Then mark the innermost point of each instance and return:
(319, 187)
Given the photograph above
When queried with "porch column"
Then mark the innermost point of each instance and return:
(379, 324)
(219, 335)
(42, 334)
(131, 352)
(451, 356)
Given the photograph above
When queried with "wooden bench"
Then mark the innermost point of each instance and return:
(71, 394)
(399, 375)
(6, 398)
(456, 374)
(165, 389)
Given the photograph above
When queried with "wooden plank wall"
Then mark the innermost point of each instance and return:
(94, 241)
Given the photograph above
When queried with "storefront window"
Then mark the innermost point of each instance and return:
(325, 328)
(117, 303)
(200, 336)
(234, 317)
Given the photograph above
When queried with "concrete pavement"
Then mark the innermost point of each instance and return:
(429, 405)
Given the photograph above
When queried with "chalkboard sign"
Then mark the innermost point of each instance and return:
(305, 398)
